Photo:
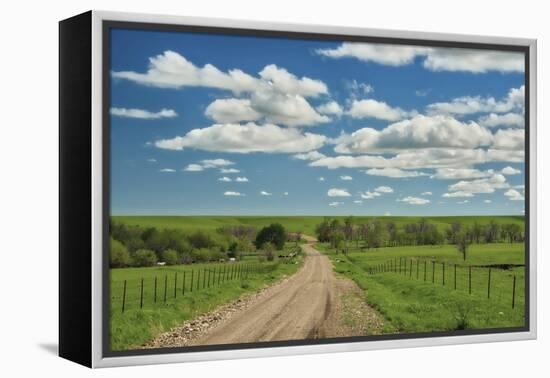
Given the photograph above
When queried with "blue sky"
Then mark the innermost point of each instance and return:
(213, 124)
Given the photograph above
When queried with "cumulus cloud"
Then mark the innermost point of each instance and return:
(434, 59)
(225, 179)
(418, 132)
(214, 163)
(245, 139)
(233, 194)
(229, 170)
(167, 170)
(335, 204)
(393, 173)
(336, 192)
(241, 179)
(460, 173)
(194, 168)
(370, 108)
(514, 101)
(510, 171)
(264, 193)
(143, 114)
(414, 200)
(346, 178)
(172, 70)
(369, 195)
(509, 139)
(152, 160)
(459, 193)
(426, 193)
(231, 110)
(321, 179)
(330, 108)
(514, 195)
(384, 189)
(484, 185)
(502, 120)
(311, 155)
(487, 201)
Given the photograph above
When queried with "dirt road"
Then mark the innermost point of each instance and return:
(304, 306)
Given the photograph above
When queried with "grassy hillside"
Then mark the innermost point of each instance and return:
(305, 224)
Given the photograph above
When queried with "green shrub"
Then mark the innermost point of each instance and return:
(170, 257)
(119, 256)
(143, 257)
(274, 233)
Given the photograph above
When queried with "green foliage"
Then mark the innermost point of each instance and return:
(119, 256)
(143, 257)
(268, 250)
(170, 257)
(274, 233)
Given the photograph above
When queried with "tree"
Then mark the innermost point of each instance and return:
(143, 257)
(462, 241)
(274, 233)
(323, 231)
(170, 257)
(119, 256)
(268, 249)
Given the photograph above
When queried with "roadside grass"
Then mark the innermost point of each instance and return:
(410, 304)
(305, 224)
(135, 326)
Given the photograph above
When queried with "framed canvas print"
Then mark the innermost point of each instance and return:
(233, 189)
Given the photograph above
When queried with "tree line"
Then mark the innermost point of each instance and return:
(376, 233)
(139, 246)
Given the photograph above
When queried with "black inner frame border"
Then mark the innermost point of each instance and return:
(107, 25)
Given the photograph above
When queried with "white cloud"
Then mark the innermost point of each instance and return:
(504, 120)
(245, 139)
(484, 185)
(335, 192)
(463, 202)
(152, 160)
(514, 195)
(426, 193)
(384, 189)
(510, 171)
(487, 201)
(459, 193)
(229, 170)
(311, 155)
(231, 110)
(194, 168)
(241, 179)
(225, 179)
(370, 108)
(419, 132)
(321, 179)
(359, 202)
(143, 114)
(335, 204)
(172, 70)
(393, 172)
(514, 101)
(264, 193)
(167, 170)
(434, 59)
(414, 200)
(330, 108)
(285, 193)
(233, 194)
(422, 92)
(369, 195)
(509, 139)
(460, 173)
(358, 89)
(214, 163)
(346, 178)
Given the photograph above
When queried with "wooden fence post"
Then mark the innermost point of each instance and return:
(433, 271)
(469, 279)
(191, 286)
(165, 286)
(141, 295)
(514, 293)
(198, 278)
(443, 264)
(124, 297)
(203, 278)
(155, 289)
(417, 269)
(489, 285)
(425, 267)
(175, 284)
(183, 285)
(411, 268)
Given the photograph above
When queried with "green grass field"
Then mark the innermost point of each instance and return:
(305, 224)
(414, 301)
(135, 326)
